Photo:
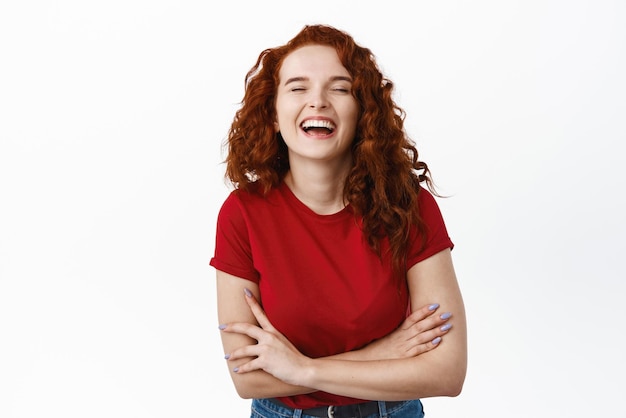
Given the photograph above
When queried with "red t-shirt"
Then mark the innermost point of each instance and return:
(321, 285)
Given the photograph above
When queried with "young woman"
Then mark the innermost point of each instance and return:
(335, 283)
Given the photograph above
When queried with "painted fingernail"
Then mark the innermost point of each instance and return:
(247, 292)
(436, 340)
(222, 327)
(446, 315)
(433, 306)
(446, 327)
(227, 356)
(236, 369)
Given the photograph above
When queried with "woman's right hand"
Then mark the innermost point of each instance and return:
(420, 332)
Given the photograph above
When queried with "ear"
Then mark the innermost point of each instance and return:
(276, 127)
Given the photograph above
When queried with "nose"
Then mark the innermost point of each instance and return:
(318, 100)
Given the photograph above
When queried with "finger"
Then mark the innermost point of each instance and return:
(431, 345)
(423, 312)
(250, 366)
(427, 346)
(258, 311)
(431, 335)
(431, 322)
(244, 328)
(248, 351)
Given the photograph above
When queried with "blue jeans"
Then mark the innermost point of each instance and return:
(263, 408)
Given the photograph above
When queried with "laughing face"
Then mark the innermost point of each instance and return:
(316, 111)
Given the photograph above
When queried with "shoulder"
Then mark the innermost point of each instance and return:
(244, 196)
(250, 200)
(426, 203)
(424, 194)
(432, 235)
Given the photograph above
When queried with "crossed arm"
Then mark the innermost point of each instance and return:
(406, 364)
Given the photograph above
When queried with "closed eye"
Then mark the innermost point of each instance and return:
(341, 87)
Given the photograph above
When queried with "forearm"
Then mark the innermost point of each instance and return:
(356, 374)
(259, 384)
(265, 364)
(400, 379)
(440, 372)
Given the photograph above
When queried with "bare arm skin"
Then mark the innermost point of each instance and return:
(439, 372)
(267, 365)
(413, 337)
(232, 308)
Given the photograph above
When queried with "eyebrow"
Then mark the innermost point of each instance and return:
(335, 78)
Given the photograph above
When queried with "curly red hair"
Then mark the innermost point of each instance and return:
(383, 184)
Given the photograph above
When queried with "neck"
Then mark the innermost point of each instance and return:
(319, 189)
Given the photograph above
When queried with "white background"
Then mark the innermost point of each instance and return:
(112, 116)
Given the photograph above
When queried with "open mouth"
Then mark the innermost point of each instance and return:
(318, 127)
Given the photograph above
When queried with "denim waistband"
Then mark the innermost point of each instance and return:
(360, 410)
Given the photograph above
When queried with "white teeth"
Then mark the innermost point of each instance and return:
(316, 123)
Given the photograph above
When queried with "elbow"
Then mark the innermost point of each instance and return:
(453, 376)
(244, 393)
(244, 389)
(449, 381)
(454, 389)
(453, 386)
(450, 389)
(254, 385)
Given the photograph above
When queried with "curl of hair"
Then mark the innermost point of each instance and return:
(383, 184)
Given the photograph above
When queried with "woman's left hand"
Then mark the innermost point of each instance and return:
(273, 352)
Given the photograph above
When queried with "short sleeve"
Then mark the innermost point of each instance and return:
(434, 238)
(233, 253)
